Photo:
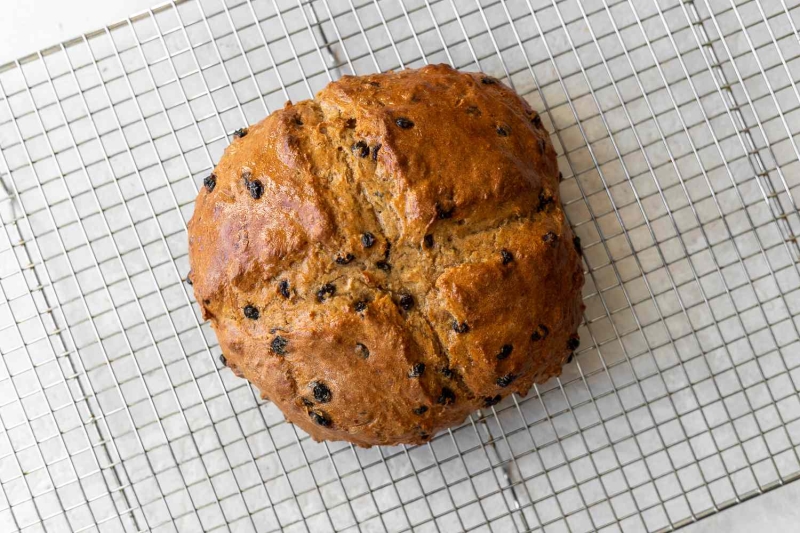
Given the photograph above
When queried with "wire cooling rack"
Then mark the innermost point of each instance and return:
(676, 123)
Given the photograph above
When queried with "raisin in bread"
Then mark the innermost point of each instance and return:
(385, 259)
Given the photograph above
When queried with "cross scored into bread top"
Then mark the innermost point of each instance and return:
(390, 256)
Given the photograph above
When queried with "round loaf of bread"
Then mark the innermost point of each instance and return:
(387, 258)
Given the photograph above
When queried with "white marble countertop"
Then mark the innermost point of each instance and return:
(775, 511)
(31, 25)
(27, 26)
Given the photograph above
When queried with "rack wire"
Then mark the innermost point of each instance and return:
(676, 124)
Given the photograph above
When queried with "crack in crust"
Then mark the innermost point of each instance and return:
(362, 194)
(446, 355)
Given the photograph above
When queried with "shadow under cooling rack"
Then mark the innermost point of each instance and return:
(676, 125)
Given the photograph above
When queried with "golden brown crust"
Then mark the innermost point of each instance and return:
(457, 182)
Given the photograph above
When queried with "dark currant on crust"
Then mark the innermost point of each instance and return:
(367, 240)
(406, 302)
(362, 351)
(506, 256)
(283, 288)
(361, 149)
(544, 201)
(344, 259)
(210, 182)
(505, 381)
(504, 352)
(573, 343)
(320, 418)
(241, 132)
(255, 188)
(417, 370)
(326, 291)
(322, 394)
(541, 333)
(460, 327)
(442, 213)
(447, 397)
(278, 345)
(251, 312)
(404, 123)
(491, 400)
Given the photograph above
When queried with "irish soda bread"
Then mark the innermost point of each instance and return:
(387, 258)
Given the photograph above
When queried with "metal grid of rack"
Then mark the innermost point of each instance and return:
(676, 124)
